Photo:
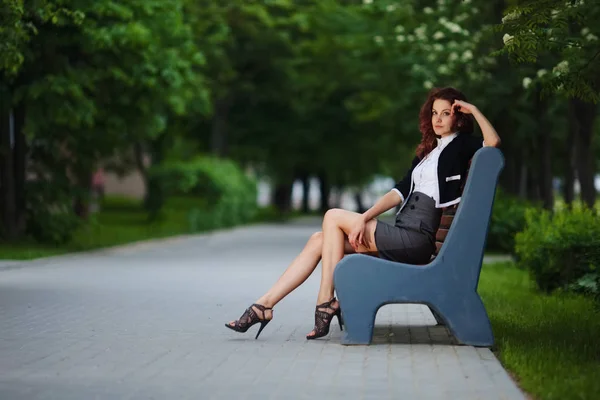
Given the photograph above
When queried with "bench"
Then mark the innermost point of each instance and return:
(447, 285)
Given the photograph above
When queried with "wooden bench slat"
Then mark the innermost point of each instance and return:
(441, 234)
(446, 221)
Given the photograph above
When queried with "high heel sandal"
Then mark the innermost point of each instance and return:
(323, 319)
(249, 318)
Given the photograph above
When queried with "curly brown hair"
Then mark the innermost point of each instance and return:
(462, 122)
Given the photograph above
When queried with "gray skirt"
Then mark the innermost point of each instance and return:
(411, 239)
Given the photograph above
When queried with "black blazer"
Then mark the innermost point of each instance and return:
(452, 168)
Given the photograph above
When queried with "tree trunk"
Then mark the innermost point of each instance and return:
(20, 166)
(219, 126)
(360, 206)
(83, 173)
(138, 155)
(545, 152)
(82, 196)
(282, 197)
(509, 179)
(305, 178)
(7, 182)
(325, 192)
(546, 192)
(533, 189)
(585, 113)
(568, 188)
(523, 177)
(155, 197)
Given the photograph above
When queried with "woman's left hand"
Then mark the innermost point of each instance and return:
(463, 107)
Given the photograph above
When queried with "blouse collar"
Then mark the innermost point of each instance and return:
(443, 141)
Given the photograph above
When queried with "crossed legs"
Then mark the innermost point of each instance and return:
(328, 246)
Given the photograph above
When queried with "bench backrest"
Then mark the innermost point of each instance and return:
(463, 229)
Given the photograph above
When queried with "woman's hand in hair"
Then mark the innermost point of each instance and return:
(463, 107)
(490, 136)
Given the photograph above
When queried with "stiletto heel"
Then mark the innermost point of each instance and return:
(249, 318)
(338, 314)
(262, 326)
(323, 319)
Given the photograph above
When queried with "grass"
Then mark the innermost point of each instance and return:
(120, 221)
(550, 344)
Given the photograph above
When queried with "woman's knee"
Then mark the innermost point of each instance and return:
(316, 241)
(332, 215)
(316, 237)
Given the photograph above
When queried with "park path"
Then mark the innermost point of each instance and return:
(146, 322)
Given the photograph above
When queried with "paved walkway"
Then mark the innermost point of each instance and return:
(146, 322)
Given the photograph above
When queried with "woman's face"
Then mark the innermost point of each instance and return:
(441, 118)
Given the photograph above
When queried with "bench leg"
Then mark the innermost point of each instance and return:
(437, 317)
(468, 321)
(359, 321)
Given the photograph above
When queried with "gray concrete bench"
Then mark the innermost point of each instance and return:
(447, 285)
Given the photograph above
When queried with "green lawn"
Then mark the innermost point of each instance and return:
(551, 344)
(120, 221)
(123, 221)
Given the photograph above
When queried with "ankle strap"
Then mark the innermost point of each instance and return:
(261, 307)
(327, 304)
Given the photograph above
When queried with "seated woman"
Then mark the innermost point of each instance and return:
(432, 182)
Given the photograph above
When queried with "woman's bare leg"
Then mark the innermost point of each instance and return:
(337, 224)
(298, 271)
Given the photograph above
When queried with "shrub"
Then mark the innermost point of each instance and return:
(50, 217)
(561, 250)
(589, 284)
(508, 218)
(229, 195)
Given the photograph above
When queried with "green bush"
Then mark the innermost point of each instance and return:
(589, 284)
(561, 250)
(229, 195)
(50, 218)
(508, 218)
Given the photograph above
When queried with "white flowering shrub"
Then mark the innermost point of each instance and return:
(562, 37)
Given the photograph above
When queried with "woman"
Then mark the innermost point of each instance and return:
(433, 182)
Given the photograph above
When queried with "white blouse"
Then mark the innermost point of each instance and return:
(425, 176)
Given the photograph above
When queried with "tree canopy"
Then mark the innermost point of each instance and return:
(290, 89)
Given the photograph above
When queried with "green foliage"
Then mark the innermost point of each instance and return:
(229, 196)
(588, 284)
(98, 77)
(566, 31)
(560, 250)
(508, 218)
(316, 87)
(50, 216)
(19, 22)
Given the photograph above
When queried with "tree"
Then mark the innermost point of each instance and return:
(20, 24)
(567, 29)
(93, 86)
(541, 30)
